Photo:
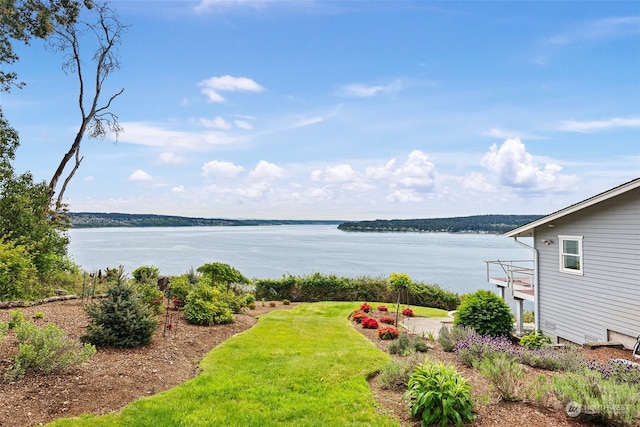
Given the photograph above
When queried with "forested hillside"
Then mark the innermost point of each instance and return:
(496, 224)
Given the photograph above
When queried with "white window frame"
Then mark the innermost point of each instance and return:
(563, 268)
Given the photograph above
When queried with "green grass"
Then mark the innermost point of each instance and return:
(417, 310)
(301, 367)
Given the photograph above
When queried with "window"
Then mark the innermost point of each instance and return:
(571, 254)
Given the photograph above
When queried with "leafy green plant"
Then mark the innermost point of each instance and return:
(399, 283)
(506, 375)
(4, 327)
(38, 315)
(249, 299)
(486, 313)
(46, 350)
(180, 286)
(534, 340)
(406, 345)
(528, 316)
(205, 307)
(536, 391)
(17, 317)
(149, 294)
(448, 336)
(614, 403)
(286, 302)
(222, 275)
(146, 274)
(121, 319)
(438, 394)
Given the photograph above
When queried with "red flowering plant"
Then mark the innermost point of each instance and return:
(388, 320)
(365, 307)
(382, 308)
(407, 312)
(357, 316)
(388, 333)
(369, 323)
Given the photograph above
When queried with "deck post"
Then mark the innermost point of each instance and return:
(519, 316)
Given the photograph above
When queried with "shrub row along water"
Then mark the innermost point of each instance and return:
(319, 287)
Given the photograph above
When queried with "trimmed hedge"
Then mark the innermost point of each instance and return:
(319, 287)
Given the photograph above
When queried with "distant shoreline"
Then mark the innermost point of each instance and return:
(476, 224)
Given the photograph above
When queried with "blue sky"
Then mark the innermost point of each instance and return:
(348, 110)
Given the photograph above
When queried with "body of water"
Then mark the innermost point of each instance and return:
(453, 261)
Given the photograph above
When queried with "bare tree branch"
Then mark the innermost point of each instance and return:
(96, 120)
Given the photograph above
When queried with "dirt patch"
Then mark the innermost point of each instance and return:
(490, 411)
(113, 377)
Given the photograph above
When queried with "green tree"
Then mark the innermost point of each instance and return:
(399, 282)
(222, 275)
(486, 313)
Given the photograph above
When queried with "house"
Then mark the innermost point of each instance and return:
(584, 278)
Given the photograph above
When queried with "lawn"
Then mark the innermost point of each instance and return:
(301, 367)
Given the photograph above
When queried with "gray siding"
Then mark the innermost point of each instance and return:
(607, 296)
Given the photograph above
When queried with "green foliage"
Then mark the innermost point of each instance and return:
(4, 327)
(286, 302)
(222, 275)
(17, 317)
(205, 306)
(18, 275)
(46, 350)
(534, 340)
(438, 394)
(615, 403)
(506, 375)
(180, 286)
(249, 299)
(38, 315)
(399, 282)
(486, 313)
(528, 316)
(319, 287)
(406, 345)
(448, 337)
(395, 374)
(149, 294)
(121, 319)
(146, 274)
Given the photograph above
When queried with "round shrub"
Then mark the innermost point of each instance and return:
(534, 340)
(369, 323)
(383, 308)
(407, 312)
(358, 315)
(388, 320)
(486, 313)
(388, 333)
(204, 306)
(365, 307)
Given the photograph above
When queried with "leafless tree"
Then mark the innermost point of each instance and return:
(97, 121)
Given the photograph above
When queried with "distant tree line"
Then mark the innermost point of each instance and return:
(494, 224)
(98, 220)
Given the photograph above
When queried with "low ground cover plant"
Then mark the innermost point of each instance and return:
(46, 349)
(395, 374)
(406, 345)
(534, 340)
(369, 323)
(438, 394)
(448, 336)
(388, 320)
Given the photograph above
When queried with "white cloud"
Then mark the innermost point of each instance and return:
(266, 170)
(243, 124)
(335, 174)
(403, 196)
(214, 85)
(477, 182)
(168, 158)
(596, 125)
(178, 189)
(217, 123)
(360, 90)
(221, 168)
(515, 167)
(307, 122)
(206, 5)
(156, 136)
(417, 173)
(601, 29)
(140, 175)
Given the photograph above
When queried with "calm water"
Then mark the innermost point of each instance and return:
(454, 261)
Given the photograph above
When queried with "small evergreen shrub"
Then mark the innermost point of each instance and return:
(146, 274)
(180, 286)
(407, 312)
(388, 333)
(286, 302)
(149, 294)
(506, 375)
(365, 307)
(46, 350)
(486, 313)
(230, 299)
(250, 299)
(204, 307)
(121, 319)
(438, 394)
(17, 317)
(449, 336)
(534, 340)
(38, 315)
(388, 320)
(369, 323)
(383, 308)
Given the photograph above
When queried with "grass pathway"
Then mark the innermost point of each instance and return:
(301, 367)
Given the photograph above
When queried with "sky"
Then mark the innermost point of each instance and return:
(347, 110)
